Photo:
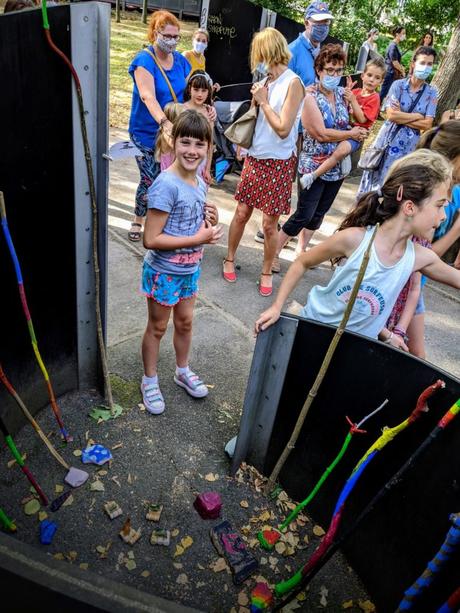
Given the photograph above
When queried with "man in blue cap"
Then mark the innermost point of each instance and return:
(306, 47)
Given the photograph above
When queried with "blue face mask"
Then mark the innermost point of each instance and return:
(422, 72)
(330, 83)
(319, 32)
(262, 68)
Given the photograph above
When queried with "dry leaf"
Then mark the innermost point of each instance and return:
(318, 531)
(100, 549)
(130, 564)
(347, 604)
(145, 573)
(32, 507)
(244, 504)
(77, 453)
(84, 565)
(178, 565)
(273, 561)
(117, 446)
(115, 480)
(186, 542)
(301, 596)
(141, 406)
(243, 599)
(367, 606)
(200, 566)
(68, 501)
(58, 556)
(211, 477)
(179, 551)
(58, 489)
(324, 592)
(102, 472)
(200, 584)
(175, 532)
(280, 547)
(182, 579)
(265, 516)
(42, 515)
(97, 486)
(131, 554)
(219, 565)
(263, 561)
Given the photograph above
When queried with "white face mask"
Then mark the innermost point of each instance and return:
(199, 47)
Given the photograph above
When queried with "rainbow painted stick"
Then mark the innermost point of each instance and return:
(269, 537)
(453, 603)
(447, 419)
(435, 566)
(386, 437)
(25, 307)
(18, 457)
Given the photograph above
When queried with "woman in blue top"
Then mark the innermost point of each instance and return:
(401, 131)
(152, 90)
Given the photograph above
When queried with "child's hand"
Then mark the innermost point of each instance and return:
(212, 113)
(311, 89)
(394, 103)
(211, 213)
(350, 83)
(348, 95)
(267, 319)
(208, 234)
(398, 342)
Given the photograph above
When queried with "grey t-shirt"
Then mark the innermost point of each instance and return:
(185, 205)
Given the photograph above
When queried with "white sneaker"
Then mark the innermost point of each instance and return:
(192, 384)
(152, 398)
(345, 166)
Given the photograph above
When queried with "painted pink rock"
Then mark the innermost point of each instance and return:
(208, 505)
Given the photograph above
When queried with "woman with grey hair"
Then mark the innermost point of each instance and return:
(368, 50)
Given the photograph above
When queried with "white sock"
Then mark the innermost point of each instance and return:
(182, 370)
(150, 380)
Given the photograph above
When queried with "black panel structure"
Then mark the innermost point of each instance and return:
(392, 546)
(288, 27)
(231, 25)
(36, 176)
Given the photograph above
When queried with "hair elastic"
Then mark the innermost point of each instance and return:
(399, 195)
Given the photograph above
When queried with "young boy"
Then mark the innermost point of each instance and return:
(365, 107)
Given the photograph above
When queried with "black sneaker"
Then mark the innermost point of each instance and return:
(259, 235)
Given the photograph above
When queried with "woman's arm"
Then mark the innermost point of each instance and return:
(282, 123)
(312, 122)
(155, 238)
(341, 244)
(146, 86)
(421, 124)
(395, 115)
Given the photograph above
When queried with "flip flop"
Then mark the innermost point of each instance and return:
(135, 235)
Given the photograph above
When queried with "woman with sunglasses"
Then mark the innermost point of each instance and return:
(159, 74)
(325, 121)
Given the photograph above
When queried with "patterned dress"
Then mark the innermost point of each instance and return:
(313, 152)
(406, 138)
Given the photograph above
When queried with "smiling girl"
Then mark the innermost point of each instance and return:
(411, 202)
(179, 223)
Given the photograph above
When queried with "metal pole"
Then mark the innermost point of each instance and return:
(144, 11)
(117, 11)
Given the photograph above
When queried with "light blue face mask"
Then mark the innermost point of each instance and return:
(319, 32)
(422, 72)
(262, 68)
(330, 83)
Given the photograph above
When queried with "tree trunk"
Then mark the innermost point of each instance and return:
(117, 11)
(447, 79)
(144, 11)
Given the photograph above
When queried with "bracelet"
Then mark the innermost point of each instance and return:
(388, 340)
(402, 333)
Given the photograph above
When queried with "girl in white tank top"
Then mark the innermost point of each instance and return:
(411, 202)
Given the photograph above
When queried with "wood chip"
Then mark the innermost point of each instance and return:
(244, 504)
(77, 453)
(58, 556)
(182, 579)
(178, 565)
(58, 489)
(347, 604)
(367, 606)
(84, 565)
(211, 477)
(219, 565)
(145, 574)
(324, 592)
(115, 480)
(280, 547)
(102, 472)
(68, 501)
(117, 446)
(318, 531)
(175, 532)
(131, 565)
(97, 486)
(32, 507)
(243, 599)
(42, 515)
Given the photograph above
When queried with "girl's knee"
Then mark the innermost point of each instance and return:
(183, 325)
(157, 328)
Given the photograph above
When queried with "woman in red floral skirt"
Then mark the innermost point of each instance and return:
(270, 166)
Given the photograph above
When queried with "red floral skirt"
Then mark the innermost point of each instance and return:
(267, 184)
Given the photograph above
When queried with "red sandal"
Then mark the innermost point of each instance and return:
(264, 290)
(230, 277)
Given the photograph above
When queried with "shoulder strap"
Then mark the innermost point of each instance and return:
(160, 67)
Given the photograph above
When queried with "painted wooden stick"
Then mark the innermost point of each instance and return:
(323, 369)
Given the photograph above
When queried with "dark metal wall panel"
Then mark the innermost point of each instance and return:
(36, 176)
(391, 547)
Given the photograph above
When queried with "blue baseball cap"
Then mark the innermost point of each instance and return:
(317, 11)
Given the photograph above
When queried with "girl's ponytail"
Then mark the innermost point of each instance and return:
(369, 210)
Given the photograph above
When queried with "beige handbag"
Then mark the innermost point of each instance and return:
(241, 131)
